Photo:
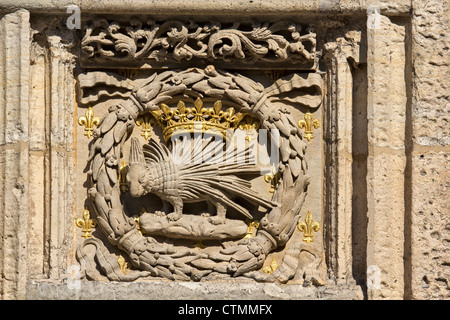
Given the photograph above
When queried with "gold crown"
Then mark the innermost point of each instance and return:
(183, 119)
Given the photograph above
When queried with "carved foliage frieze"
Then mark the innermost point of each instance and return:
(149, 41)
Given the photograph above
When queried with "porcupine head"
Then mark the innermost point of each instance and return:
(138, 176)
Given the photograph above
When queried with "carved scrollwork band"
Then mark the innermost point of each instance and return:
(176, 41)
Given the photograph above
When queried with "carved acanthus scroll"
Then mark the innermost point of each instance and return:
(176, 41)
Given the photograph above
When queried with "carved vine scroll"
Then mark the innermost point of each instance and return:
(142, 40)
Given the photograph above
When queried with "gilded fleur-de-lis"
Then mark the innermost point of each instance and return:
(138, 223)
(198, 111)
(272, 178)
(309, 124)
(271, 267)
(215, 112)
(182, 112)
(122, 177)
(89, 120)
(145, 122)
(308, 227)
(252, 226)
(250, 126)
(123, 264)
(86, 223)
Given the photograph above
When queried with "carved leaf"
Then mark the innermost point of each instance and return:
(297, 144)
(284, 149)
(96, 166)
(119, 131)
(93, 149)
(204, 264)
(108, 122)
(102, 184)
(296, 166)
(281, 125)
(107, 142)
(112, 174)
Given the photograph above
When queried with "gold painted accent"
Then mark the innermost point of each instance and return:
(86, 223)
(251, 229)
(250, 126)
(272, 267)
(122, 264)
(196, 119)
(89, 120)
(138, 223)
(309, 123)
(272, 178)
(123, 176)
(146, 121)
(308, 227)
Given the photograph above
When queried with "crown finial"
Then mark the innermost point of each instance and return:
(184, 119)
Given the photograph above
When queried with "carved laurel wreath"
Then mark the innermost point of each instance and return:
(149, 257)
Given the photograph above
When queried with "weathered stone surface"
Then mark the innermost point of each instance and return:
(382, 204)
(154, 290)
(14, 148)
(386, 162)
(235, 7)
(430, 217)
(167, 170)
(430, 234)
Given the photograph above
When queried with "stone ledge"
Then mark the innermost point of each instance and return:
(167, 290)
(202, 7)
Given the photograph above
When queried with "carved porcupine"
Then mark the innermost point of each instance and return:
(152, 169)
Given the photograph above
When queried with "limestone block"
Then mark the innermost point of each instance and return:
(235, 7)
(165, 290)
(429, 186)
(14, 185)
(430, 226)
(431, 69)
(386, 114)
(385, 236)
(386, 111)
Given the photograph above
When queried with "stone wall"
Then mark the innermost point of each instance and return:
(427, 153)
(385, 142)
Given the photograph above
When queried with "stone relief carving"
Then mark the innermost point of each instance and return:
(141, 40)
(238, 227)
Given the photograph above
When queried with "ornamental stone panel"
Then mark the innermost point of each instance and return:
(215, 150)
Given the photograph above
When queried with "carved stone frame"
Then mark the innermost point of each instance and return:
(47, 141)
(250, 98)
